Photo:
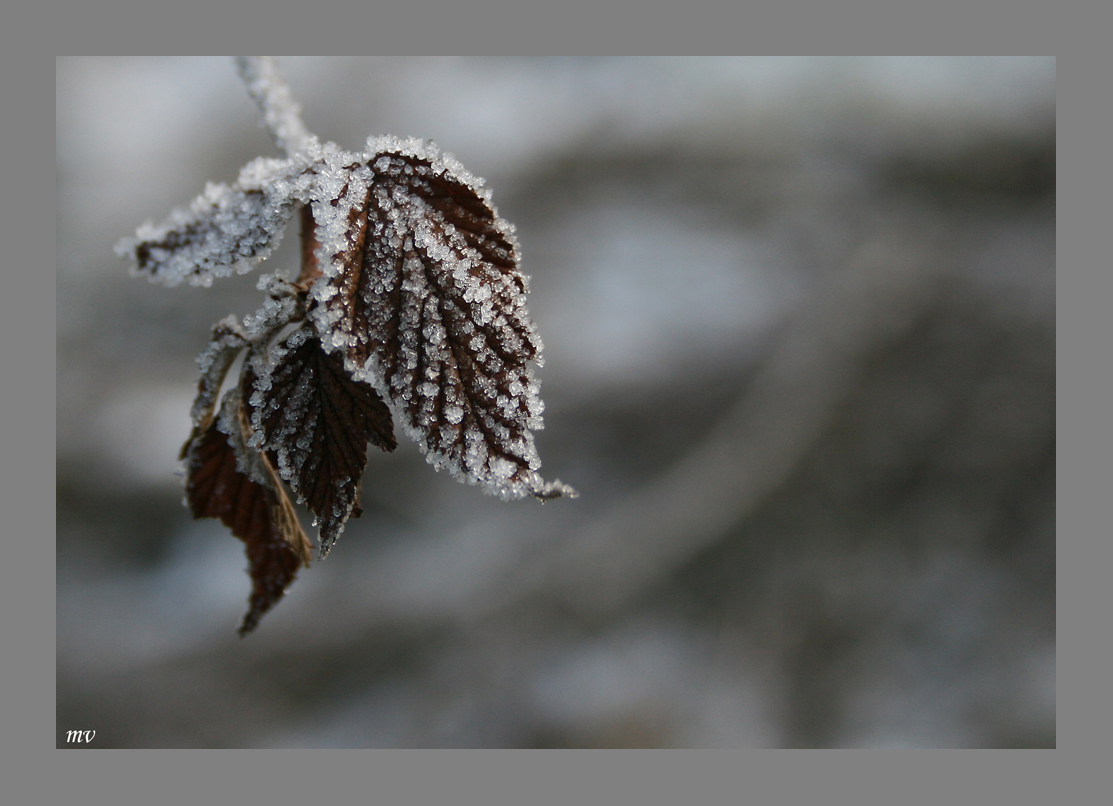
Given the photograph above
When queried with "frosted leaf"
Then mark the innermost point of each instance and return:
(317, 421)
(226, 230)
(228, 340)
(257, 511)
(409, 288)
(276, 313)
(429, 304)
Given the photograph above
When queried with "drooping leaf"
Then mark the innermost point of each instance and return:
(317, 422)
(251, 503)
(422, 295)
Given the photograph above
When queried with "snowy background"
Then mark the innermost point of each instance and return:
(799, 336)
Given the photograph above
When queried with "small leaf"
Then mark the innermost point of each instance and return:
(258, 513)
(317, 421)
(229, 339)
(226, 230)
(422, 295)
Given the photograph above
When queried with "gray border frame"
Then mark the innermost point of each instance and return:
(536, 776)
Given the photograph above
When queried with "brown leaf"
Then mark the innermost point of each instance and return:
(317, 422)
(425, 300)
(258, 513)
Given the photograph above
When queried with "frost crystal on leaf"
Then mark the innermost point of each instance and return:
(226, 230)
(423, 297)
(317, 421)
(409, 289)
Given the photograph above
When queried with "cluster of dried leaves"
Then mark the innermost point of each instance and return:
(409, 306)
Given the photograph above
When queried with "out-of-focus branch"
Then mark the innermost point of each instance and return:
(751, 451)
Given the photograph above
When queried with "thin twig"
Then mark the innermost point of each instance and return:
(281, 113)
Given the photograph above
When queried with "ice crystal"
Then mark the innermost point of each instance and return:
(409, 293)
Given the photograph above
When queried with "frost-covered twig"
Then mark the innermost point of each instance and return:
(410, 307)
(281, 113)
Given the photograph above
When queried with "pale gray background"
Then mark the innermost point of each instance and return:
(799, 327)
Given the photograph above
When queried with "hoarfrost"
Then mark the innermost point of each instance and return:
(317, 421)
(409, 289)
(421, 276)
(281, 114)
(226, 230)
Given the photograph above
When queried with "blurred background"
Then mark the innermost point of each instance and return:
(799, 325)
